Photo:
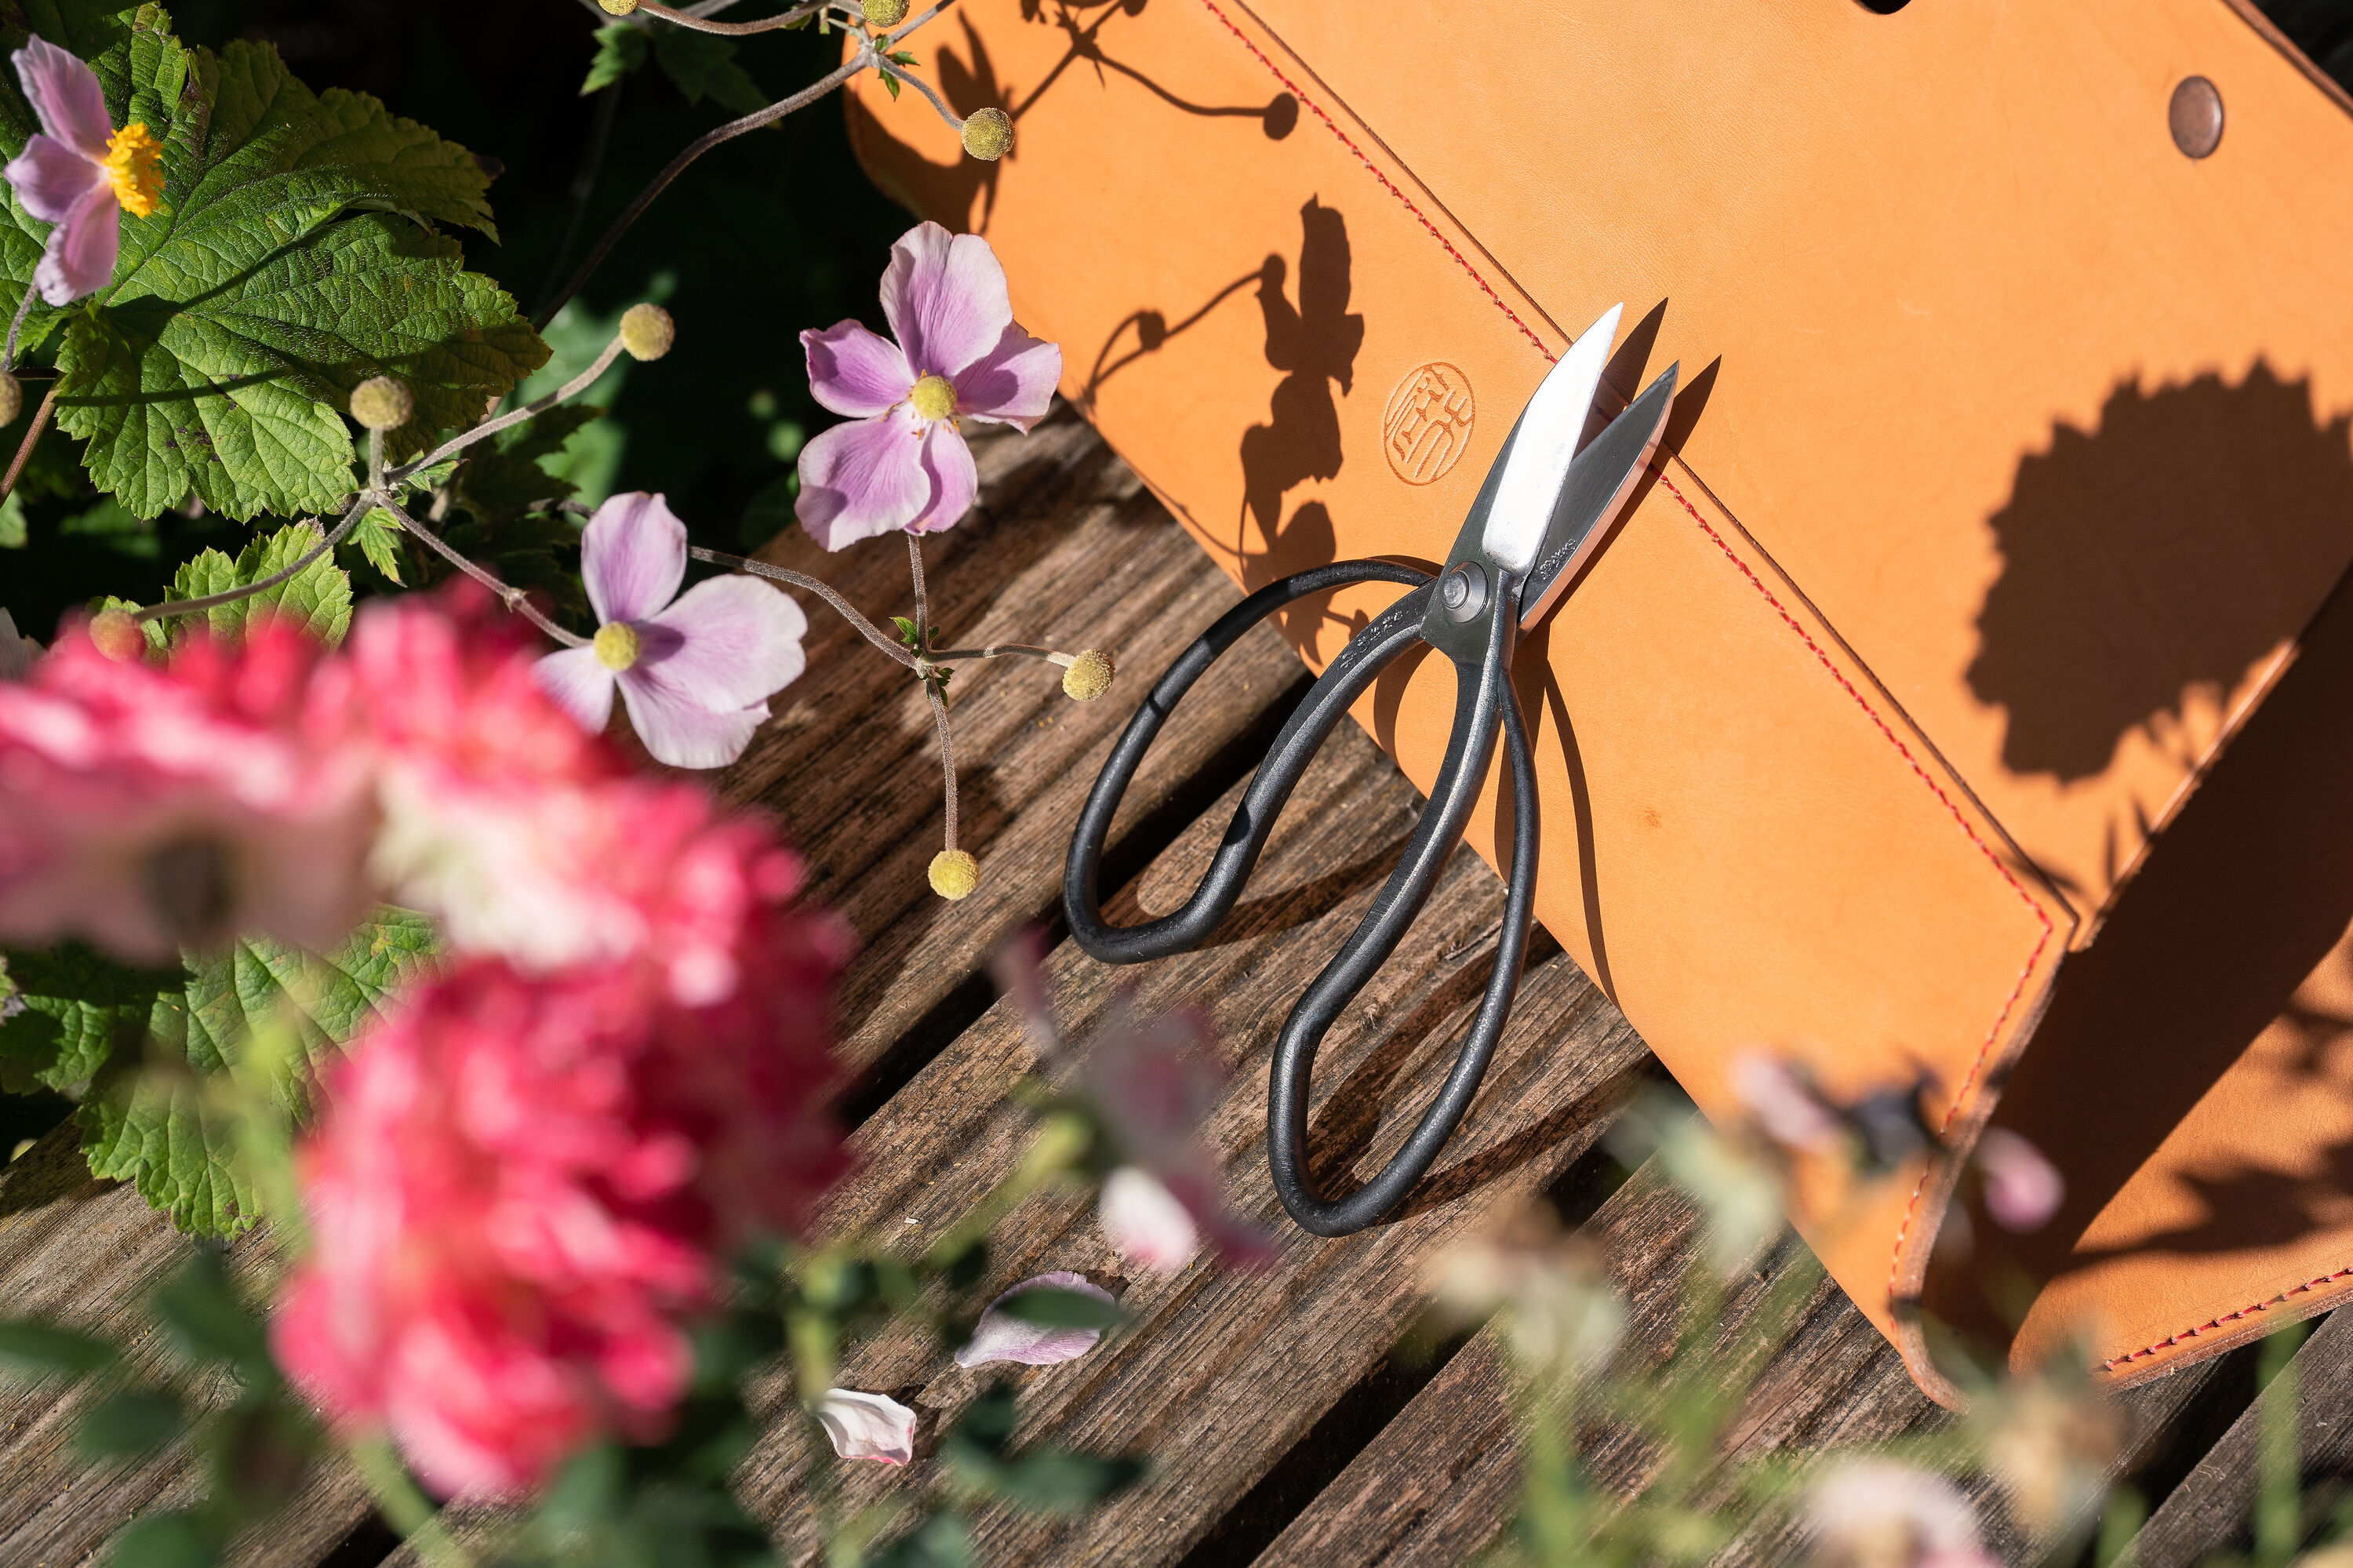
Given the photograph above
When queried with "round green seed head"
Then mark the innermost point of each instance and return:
(988, 135)
(647, 331)
(955, 873)
(1088, 677)
(380, 403)
(618, 7)
(12, 399)
(885, 14)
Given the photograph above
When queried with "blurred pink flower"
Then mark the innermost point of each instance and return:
(79, 173)
(150, 809)
(1784, 1103)
(1153, 1084)
(2022, 1189)
(1876, 1513)
(517, 1187)
(903, 461)
(1000, 1336)
(697, 673)
(867, 1425)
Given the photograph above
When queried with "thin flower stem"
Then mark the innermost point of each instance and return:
(246, 590)
(923, 606)
(947, 755)
(863, 59)
(515, 599)
(848, 611)
(488, 427)
(16, 327)
(892, 69)
(33, 433)
(1001, 650)
(406, 1508)
(690, 19)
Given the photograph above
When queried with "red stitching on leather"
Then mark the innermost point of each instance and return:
(1961, 818)
(2266, 1305)
(1435, 232)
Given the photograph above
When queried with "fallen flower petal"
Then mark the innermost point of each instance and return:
(867, 1425)
(2022, 1189)
(1000, 1336)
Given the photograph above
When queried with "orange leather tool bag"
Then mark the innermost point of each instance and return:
(1963, 696)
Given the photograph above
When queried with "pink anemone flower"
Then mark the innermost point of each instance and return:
(78, 173)
(903, 461)
(697, 673)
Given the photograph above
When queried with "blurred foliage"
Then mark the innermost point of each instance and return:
(785, 233)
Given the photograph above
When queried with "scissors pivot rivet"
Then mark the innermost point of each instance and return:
(1464, 591)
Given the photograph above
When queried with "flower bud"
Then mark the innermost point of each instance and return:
(647, 331)
(380, 403)
(988, 135)
(12, 399)
(885, 14)
(117, 636)
(618, 7)
(955, 873)
(1088, 677)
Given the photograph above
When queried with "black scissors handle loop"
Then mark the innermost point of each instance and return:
(1485, 703)
(1367, 654)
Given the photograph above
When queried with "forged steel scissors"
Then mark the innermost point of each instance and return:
(1542, 512)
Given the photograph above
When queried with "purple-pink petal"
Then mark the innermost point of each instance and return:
(632, 557)
(66, 95)
(79, 259)
(580, 684)
(1013, 383)
(1001, 1336)
(50, 178)
(736, 641)
(944, 295)
(862, 478)
(953, 480)
(678, 730)
(855, 372)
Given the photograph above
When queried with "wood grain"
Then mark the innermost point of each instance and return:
(1221, 1372)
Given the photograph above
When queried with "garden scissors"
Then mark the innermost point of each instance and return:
(1542, 512)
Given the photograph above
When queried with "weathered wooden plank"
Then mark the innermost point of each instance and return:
(1221, 1373)
(2212, 1508)
(1067, 547)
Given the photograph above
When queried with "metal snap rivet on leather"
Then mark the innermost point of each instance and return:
(1463, 591)
(2195, 116)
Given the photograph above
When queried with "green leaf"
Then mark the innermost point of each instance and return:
(508, 472)
(620, 49)
(37, 1346)
(1043, 1481)
(319, 597)
(117, 526)
(133, 1421)
(943, 1540)
(891, 82)
(378, 539)
(537, 550)
(156, 1129)
(164, 1541)
(1051, 1306)
(204, 1315)
(12, 521)
(77, 1007)
(292, 258)
(704, 65)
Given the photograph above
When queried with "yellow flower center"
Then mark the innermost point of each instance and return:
(134, 167)
(933, 398)
(616, 645)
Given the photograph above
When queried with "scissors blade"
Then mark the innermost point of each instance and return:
(1599, 482)
(1538, 460)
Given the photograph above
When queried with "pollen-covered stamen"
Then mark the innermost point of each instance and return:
(134, 167)
(617, 645)
(932, 397)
